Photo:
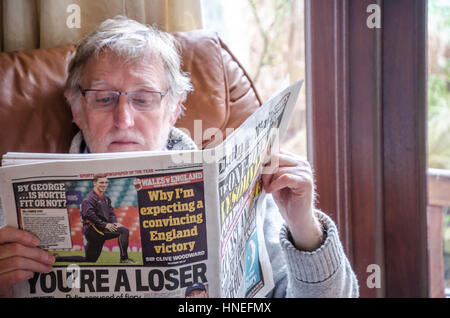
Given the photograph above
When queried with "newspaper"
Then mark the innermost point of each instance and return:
(189, 220)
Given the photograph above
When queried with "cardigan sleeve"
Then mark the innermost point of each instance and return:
(325, 272)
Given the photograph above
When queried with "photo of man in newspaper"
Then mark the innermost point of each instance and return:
(99, 225)
(197, 290)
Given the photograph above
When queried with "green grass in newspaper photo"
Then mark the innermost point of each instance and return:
(106, 258)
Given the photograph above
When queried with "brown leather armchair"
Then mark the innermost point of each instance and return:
(34, 116)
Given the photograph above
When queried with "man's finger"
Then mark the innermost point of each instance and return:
(266, 179)
(16, 249)
(284, 160)
(294, 170)
(299, 170)
(7, 280)
(6, 291)
(21, 263)
(290, 160)
(10, 234)
(297, 183)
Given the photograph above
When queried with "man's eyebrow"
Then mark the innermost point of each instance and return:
(148, 86)
(97, 82)
(145, 85)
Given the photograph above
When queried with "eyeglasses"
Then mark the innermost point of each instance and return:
(106, 100)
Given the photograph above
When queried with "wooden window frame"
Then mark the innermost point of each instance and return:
(366, 106)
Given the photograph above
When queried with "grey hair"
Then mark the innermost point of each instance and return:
(130, 40)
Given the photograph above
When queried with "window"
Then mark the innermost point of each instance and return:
(267, 37)
(438, 148)
(367, 96)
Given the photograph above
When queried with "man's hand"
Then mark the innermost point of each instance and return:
(292, 187)
(112, 227)
(20, 258)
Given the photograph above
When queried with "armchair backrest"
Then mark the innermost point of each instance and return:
(34, 116)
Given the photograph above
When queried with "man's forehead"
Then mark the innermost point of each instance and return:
(149, 83)
(109, 67)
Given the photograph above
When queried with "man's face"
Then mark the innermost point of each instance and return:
(197, 294)
(100, 185)
(124, 128)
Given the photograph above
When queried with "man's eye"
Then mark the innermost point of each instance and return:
(104, 100)
(140, 100)
(143, 99)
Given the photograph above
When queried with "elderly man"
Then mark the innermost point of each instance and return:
(126, 89)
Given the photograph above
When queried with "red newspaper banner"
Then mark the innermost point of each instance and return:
(166, 181)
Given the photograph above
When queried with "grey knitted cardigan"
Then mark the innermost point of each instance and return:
(325, 272)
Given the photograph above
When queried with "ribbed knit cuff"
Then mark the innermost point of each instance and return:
(316, 266)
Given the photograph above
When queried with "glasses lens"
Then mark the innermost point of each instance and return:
(101, 99)
(107, 100)
(145, 101)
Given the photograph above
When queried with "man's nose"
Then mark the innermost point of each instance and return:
(123, 113)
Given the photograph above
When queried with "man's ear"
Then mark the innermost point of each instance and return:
(75, 114)
(175, 114)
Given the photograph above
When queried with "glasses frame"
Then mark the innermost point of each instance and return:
(118, 94)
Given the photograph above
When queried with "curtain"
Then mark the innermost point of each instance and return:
(29, 24)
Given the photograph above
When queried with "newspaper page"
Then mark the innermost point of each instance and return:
(245, 264)
(172, 234)
(164, 227)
